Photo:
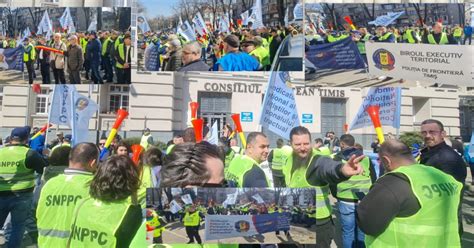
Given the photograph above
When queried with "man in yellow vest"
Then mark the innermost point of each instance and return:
(154, 222)
(17, 181)
(244, 171)
(457, 34)
(438, 37)
(29, 58)
(146, 139)
(411, 36)
(348, 193)
(363, 37)
(336, 36)
(414, 205)
(276, 158)
(384, 36)
(106, 57)
(123, 58)
(62, 193)
(306, 168)
(66, 142)
(191, 221)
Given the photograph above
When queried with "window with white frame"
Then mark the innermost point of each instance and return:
(42, 100)
(118, 97)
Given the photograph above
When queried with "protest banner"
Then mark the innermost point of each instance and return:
(424, 62)
(174, 207)
(279, 113)
(389, 99)
(228, 226)
(342, 54)
(12, 58)
(187, 199)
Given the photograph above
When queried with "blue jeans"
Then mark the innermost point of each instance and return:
(350, 231)
(19, 205)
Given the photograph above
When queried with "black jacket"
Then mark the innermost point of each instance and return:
(446, 159)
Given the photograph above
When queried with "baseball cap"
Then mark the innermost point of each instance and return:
(20, 133)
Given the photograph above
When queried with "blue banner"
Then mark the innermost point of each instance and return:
(272, 222)
(12, 58)
(342, 54)
(390, 101)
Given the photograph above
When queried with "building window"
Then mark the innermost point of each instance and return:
(118, 98)
(42, 100)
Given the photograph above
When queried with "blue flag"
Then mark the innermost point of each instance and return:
(387, 19)
(12, 58)
(389, 99)
(279, 113)
(342, 54)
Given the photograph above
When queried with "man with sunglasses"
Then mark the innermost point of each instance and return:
(441, 156)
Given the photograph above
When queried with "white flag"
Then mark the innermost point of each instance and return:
(286, 17)
(92, 26)
(297, 12)
(224, 25)
(174, 207)
(186, 30)
(67, 22)
(187, 199)
(213, 135)
(69, 108)
(200, 25)
(245, 17)
(258, 198)
(142, 24)
(256, 16)
(45, 25)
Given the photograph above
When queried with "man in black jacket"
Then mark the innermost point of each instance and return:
(441, 156)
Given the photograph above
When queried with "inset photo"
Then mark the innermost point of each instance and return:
(231, 215)
(65, 3)
(252, 35)
(396, 44)
(65, 45)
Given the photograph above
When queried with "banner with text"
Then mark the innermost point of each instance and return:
(390, 101)
(279, 113)
(444, 64)
(342, 54)
(229, 226)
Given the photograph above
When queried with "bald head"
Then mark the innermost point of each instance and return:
(394, 153)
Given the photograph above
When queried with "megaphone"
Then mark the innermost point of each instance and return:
(373, 111)
(238, 129)
(194, 108)
(198, 125)
(136, 151)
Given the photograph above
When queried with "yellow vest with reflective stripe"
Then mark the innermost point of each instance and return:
(356, 184)
(385, 36)
(144, 141)
(332, 38)
(99, 230)
(27, 56)
(238, 167)
(191, 219)
(121, 54)
(156, 223)
(105, 45)
(280, 155)
(436, 223)
(457, 32)
(443, 41)
(56, 204)
(297, 179)
(13, 172)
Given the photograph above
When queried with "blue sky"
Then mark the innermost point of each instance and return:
(158, 7)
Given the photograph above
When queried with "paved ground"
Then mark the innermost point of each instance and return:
(175, 233)
(17, 77)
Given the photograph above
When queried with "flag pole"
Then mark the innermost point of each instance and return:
(49, 116)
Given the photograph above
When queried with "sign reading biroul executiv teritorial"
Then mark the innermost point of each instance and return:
(444, 64)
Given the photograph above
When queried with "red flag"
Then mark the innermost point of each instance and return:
(36, 88)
